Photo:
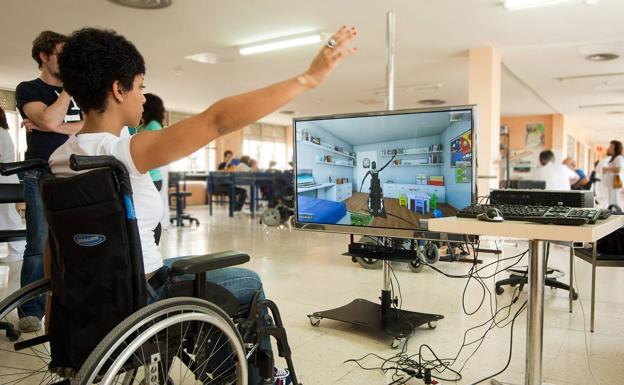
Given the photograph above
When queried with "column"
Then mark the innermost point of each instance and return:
(484, 90)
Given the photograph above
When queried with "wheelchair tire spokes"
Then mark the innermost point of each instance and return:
(178, 341)
(24, 358)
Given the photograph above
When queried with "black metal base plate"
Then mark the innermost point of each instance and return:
(398, 324)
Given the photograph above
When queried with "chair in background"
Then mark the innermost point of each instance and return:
(402, 200)
(175, 178)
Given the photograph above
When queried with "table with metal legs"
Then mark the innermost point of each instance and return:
(535, 233)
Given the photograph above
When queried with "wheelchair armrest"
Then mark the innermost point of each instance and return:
(202, 263)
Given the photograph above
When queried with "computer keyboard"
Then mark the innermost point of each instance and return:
(559, 215)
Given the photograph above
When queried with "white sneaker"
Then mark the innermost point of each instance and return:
(29, 324)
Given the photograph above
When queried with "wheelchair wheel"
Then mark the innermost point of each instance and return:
(24, 357)
(175, 341)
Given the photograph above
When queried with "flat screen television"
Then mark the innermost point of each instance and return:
(384, 173)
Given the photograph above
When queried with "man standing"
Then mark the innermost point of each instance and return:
(50, 115)
(556, 176)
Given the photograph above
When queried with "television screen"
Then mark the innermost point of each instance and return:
(385, 170)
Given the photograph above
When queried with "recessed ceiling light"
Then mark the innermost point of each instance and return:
(516, 5)
(143, 4)
(208, 58)
(592, 76)
(605, 56)
(289, 112)
(281, 43)
(432, 102)
(601, 105)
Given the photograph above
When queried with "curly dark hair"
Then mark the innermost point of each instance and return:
(153, 109)
(92, 60)
(3, 120)
(46, 42)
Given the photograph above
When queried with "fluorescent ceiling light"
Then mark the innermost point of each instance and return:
(283, 43)
(208, 58)
(515, 5)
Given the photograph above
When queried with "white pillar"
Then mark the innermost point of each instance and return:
(484, 90)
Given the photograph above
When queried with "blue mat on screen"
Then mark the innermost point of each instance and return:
(313, 210)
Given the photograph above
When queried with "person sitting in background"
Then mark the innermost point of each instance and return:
(583, 182)
(227, 157)
(556, 176)
(253, 165)
(272, 165)
(244, 164)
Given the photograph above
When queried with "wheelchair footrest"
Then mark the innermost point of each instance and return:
(31, 342)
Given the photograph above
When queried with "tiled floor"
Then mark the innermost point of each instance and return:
(305, 272)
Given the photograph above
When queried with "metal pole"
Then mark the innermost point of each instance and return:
(389, 106)
(535, 318)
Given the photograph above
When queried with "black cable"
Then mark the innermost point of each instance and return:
(406, 364)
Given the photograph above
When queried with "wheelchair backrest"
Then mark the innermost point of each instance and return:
(97, 267)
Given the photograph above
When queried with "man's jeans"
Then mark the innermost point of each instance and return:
(36, 235)
(242, 283)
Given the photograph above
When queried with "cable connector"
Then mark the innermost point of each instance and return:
(428, 376)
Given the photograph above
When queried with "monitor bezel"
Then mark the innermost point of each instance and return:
(416, 233)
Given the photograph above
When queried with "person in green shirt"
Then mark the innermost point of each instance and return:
(152, 120)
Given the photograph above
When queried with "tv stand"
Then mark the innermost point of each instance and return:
(383, 316)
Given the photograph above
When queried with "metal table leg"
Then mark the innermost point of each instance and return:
(535, 316)
(571, 292)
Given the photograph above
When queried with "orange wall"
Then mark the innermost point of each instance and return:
(233, 142)
(517, 129)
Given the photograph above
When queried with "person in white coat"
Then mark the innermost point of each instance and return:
(611, 171)
(9, 218)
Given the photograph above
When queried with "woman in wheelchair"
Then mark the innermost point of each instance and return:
(105, 74)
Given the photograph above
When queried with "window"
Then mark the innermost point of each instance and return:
(266, 143)
(202, 160)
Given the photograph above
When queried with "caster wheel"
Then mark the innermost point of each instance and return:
(271, 217)
(314, 320)
(432, 254)
(416, 266)
(354, 260)
(499, 290)
(513, 285)
(369, 263)
(432, 324)
(575, 296)
(397, 342)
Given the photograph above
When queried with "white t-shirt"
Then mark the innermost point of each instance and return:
(557, 176)
(147, 202)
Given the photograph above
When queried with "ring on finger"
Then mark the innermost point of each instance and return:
(331, 43)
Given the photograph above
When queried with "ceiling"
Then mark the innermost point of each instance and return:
(433, 37)
(377, 129)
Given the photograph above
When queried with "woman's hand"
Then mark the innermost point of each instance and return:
(328, 57)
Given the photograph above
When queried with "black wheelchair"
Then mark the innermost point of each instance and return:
(281, 201)
(99, 328)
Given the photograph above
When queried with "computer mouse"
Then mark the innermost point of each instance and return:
(491, 215)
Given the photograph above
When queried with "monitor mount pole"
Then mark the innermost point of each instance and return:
(386, 295)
